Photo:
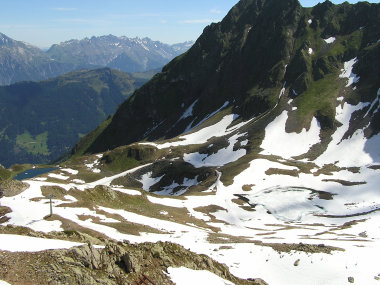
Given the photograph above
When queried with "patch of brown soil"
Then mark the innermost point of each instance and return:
(344, 182)
(248, 187)
(278, 171)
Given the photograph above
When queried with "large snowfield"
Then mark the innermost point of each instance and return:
(338, 213)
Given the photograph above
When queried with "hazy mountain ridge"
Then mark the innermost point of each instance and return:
(21, 62)
(126, 54)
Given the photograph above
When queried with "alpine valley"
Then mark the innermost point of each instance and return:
(42, 121)
(252, 158)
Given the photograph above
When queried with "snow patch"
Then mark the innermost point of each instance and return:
(17, 243)
(147, 180)
(185, 185)
(287, 204)
(376, 101)
(70, 198)
(40, 178)
(220, 158)
(189, 111)
(350, 151)
(347, 72)
(212, 114)
(71, 171)
(201, 136)
(330, 40)
(58, 176)
(278, 142)
(186, 276)
(126, 191)
(282, 91)
(106, 181)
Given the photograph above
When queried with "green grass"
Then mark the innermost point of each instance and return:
(351, 42)
(34, 145)
(320, 98)
(122, 163)
(87, 140)
(309, 35)
(4, 173)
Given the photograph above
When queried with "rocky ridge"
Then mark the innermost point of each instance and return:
(116, 263)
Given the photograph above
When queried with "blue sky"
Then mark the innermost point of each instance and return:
(43, 22)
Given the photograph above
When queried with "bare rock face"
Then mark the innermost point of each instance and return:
(116, 263)
(11, 188)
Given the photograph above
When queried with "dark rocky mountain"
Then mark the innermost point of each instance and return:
(43, 120)
(20, 61)
(246, 59)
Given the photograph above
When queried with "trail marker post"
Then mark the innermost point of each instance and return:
(51, 196)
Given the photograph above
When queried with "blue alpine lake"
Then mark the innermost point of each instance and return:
(30, 173)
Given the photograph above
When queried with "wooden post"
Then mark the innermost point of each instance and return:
(51, 196)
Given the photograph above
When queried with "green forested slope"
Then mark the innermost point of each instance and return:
(40, 121)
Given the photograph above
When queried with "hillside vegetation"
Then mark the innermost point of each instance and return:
(41, 121)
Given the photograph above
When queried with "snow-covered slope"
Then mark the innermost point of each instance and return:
(306, 219)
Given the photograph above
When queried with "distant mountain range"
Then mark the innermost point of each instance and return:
(126, 54)
(20, 61)
(40, 121)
